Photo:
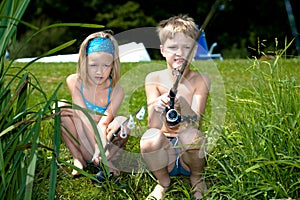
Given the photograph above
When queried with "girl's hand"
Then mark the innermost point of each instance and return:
(114, 125)
(96, 157)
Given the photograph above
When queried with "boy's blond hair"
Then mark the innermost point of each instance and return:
(82, 62)
(181, 23)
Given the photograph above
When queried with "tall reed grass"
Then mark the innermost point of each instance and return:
(258, 153)
(255, 157)
(20, 122)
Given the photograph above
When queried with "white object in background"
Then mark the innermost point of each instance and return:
(133, 52)
(130, 52)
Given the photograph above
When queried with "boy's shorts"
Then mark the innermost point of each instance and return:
(178, 169)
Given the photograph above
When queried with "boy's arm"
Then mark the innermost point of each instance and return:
(152, 93)
(201, 95)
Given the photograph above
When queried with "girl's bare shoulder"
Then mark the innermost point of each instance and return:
(73, 81)
(118, 89)
(72, 78)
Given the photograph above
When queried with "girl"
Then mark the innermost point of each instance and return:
(95, 88)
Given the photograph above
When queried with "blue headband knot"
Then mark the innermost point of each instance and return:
(100, 45)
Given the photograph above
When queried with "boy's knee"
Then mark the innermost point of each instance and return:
(193, 137)
(151, 140)
(197, 150)
(151, 134)
(194, 144)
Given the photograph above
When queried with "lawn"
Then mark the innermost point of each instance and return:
(252, 122)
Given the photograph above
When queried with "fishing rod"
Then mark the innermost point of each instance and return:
(119, 138)
(121, 133)
(172, 116)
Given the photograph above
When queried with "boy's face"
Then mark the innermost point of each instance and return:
(177, 49)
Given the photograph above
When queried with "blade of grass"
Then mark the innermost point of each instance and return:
(56, 147)
(32, 160)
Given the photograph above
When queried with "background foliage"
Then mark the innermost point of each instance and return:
(239, 27)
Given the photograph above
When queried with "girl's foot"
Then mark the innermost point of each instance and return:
(158, 192)
(78, 164)
(75, 173)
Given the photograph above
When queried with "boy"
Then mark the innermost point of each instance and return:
(175, 149)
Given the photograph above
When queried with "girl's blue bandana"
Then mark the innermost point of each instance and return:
(100, 45)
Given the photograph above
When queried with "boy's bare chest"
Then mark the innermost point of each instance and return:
(185, 89)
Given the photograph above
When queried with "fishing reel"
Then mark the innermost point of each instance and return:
(173, 118)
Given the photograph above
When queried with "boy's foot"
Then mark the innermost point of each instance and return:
(75, 173)
(158, 192)
(199, 189)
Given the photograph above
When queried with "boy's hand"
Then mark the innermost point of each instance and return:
(163, 102)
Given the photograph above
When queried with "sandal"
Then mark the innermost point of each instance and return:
(101, 176)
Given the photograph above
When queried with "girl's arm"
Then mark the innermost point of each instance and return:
(81, 122)
(117, 97)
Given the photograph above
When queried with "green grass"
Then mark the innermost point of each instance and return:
(252, 118)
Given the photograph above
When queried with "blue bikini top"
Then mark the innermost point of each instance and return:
(94, 107)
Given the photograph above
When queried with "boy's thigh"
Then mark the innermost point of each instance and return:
(191, 136)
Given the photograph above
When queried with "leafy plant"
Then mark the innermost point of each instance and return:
(20, 122)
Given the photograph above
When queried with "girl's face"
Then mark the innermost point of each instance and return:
(99, 66)
(176, 50)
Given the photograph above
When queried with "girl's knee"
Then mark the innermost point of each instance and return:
(60, 104)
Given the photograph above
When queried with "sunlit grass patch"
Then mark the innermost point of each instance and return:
(256, 155)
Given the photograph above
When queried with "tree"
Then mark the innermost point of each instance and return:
(236, 26)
